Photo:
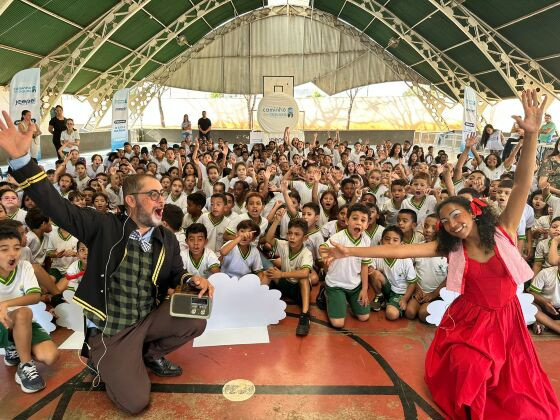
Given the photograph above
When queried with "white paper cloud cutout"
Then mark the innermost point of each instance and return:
(69, 314)
(243, 303)
(42, 317)
(437, 308)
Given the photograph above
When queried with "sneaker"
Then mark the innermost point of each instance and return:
(163, 367)
(377, 303)
(12, 357)
(303, 326)
(28, 378)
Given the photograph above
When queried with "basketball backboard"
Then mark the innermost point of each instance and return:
(278, 84)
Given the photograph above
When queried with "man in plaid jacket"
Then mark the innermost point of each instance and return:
(133, 263)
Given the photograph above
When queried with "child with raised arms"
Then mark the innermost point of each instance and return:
(239, 255)
(254, 206)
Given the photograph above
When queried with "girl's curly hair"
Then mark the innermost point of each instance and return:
(486, 224)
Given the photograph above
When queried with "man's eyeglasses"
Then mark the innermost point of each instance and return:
(153, 194)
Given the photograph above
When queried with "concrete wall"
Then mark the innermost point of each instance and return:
(242, 136)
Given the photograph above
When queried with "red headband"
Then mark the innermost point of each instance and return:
(476, 205)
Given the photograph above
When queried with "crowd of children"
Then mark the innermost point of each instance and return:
(267, 210)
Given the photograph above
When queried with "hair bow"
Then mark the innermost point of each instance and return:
(476, 206)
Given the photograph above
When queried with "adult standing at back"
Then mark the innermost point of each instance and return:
(24, 124)
(548, 129)
(57, 125)
(204, 127)
(186, 129)
(492, 140)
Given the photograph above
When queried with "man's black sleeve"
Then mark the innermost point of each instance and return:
(82, 223)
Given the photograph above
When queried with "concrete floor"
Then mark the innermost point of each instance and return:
(371, 370)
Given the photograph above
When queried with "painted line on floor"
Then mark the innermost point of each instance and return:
(408, 397)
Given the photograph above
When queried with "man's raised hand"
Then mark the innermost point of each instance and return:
(14, 143)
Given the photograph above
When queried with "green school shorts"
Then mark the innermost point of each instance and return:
(38, 335)
(391, 297)
(338, 298)
(288, 289)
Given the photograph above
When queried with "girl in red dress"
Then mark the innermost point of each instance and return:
(482, 362)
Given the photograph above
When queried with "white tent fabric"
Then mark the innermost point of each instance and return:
(285, 45)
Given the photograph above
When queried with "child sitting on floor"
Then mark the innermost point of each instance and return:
(77, 269)
(430, 276)
(240, 256)
(200, 259)
(400, 276)
(20, 337)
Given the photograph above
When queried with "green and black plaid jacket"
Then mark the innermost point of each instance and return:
(106, 236)
(130, 295)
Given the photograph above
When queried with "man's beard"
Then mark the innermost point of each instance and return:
(147, 219)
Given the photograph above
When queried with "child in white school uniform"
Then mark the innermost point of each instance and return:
(399, 274)
(216, 222)
(176, 195)
(375, 228)
(335, 226)
(200, 259)
(293, 277)
(239, 255)
(543, 247)
(431, 273)
(77, 269)
(254, 208)
(21, 337)
(347, 278)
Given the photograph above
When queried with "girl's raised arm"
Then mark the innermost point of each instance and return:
(531, 122)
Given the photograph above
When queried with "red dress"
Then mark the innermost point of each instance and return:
(482, 355)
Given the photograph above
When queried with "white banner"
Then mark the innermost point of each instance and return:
(25, 95)
(469, 112)
(256, 137)
(119, 128)
(279, 137)
(276, 112)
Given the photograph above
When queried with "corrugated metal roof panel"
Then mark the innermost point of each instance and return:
(12, 62)
(28, 29)
(137, 30)
(82, 12)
